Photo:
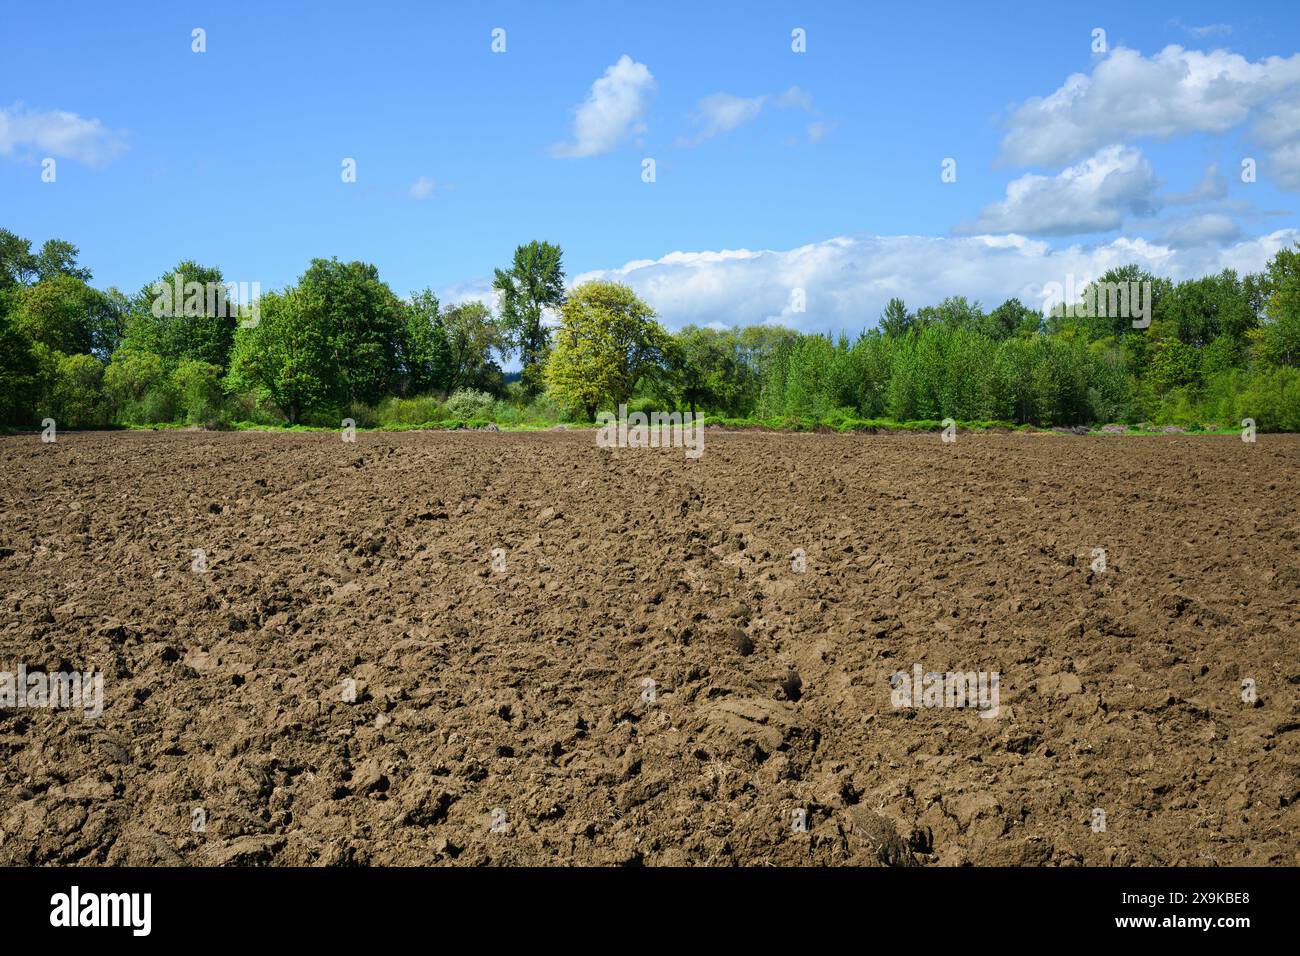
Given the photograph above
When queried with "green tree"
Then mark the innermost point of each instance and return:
(197, 386)
(706, 371)
(59, 258)
(533, 283)
(287, 357)
(19, 375)
(77, 397)
(17, 264)
(58, 313)
(472, 335)
(1012, 317)
(608, 340)
(197, 323)
(426, 353)
(361, 321)
(110, 311)
(138, 389)
(1277, 341)
(895, 321)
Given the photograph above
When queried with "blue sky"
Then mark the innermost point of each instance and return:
(775, 170)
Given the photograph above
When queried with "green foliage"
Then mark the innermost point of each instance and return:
(138, 389)
(184, 315)
(468, 404)
(534, 282)
(339, 343)
(359, 322)
(472, 335)
(286, 358)
(426, 353)
(608, 341)
(58, 313)
(198, 390)
(896, 321)
(77, 395)
(1271, 397)
(20, 381)
(1278, 340)
(420, 410)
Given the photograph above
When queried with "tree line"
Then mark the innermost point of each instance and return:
(340, 343)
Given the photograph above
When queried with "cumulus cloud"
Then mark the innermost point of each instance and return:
(612, 111)
(848, 280)
(57, 133)
(1128, 96)
(1278, 129)
(1094, 196)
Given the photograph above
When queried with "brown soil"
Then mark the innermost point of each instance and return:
(524, 690)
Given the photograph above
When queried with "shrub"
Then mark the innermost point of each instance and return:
(77, 398)
(420, 410)
(139, 390)
(197, 387)
(468, 404)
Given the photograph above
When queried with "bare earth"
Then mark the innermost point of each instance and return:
(503, 716)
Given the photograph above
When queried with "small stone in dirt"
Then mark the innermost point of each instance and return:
(792, 686)
(741, 641)
(876, 839)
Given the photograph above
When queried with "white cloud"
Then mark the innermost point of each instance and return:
(423, 188)
(1094, 196)
(848, 280)
(795, 98)
(1284, 166)
(471, 290)
(1128, 96)
(724, 112)
(57, 133)
(612, 111)
(1209, 30)
(1212, 227)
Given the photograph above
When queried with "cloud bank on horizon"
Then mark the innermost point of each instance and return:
(847, 281)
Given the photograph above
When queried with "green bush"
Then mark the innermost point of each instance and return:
(468, 404)
(138, 389)
(1269, 396)
(197, 387)
(77, 397)
(419, 410)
